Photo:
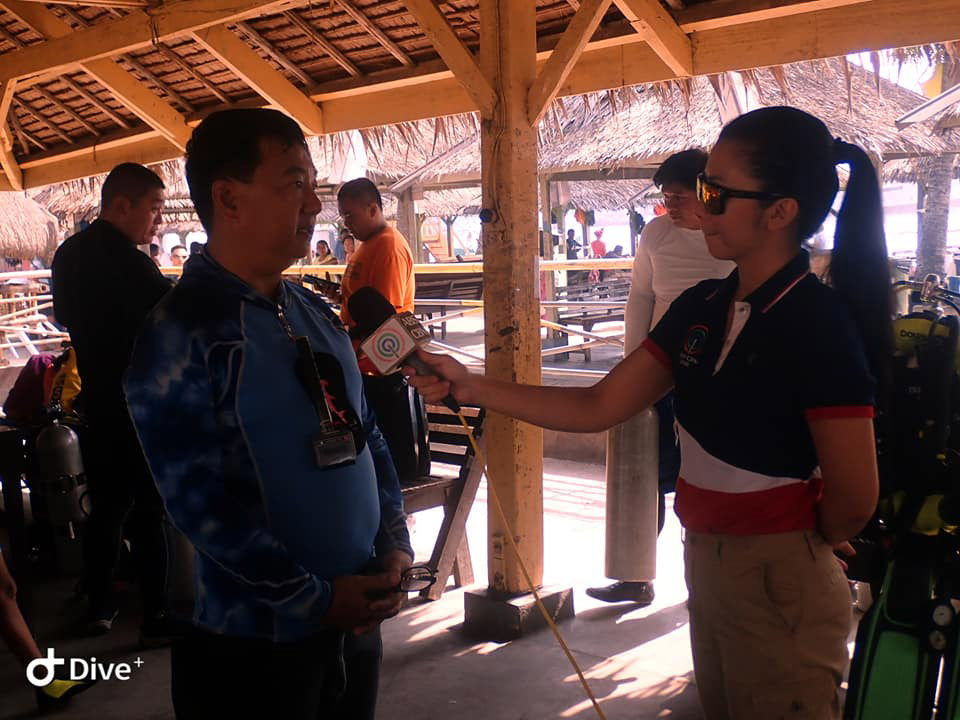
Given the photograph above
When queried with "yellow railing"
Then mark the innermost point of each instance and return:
(24, 324)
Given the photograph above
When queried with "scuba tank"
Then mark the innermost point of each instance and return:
(63, 485)
(61, 469)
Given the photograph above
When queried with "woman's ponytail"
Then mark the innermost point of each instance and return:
(859, 267)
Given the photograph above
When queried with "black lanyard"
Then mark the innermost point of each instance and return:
(306, 368)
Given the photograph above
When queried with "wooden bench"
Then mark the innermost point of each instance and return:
(452, 484)
(611, 289)
(445, 287)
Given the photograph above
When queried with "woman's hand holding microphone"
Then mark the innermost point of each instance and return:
(449, 378)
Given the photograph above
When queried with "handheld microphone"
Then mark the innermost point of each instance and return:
(391, 339)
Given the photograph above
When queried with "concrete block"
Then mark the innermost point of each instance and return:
(495, 616)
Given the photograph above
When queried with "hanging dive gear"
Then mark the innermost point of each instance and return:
(905, 663)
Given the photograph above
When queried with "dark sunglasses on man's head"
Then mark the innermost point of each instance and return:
(714, 197)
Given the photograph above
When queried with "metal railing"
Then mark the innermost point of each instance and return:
(26, 328)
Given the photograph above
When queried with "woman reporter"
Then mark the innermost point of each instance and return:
(775, 379)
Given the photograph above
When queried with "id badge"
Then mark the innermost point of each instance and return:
(334, 446)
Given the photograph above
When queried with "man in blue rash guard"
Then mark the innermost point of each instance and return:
(246, 396)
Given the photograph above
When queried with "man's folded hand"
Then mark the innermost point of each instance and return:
(357, 604)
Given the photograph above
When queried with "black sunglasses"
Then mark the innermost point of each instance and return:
(714, 197)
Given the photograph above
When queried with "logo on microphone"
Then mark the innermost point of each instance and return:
(388, 345)
(42, 671)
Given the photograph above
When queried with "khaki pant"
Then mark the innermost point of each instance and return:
(769, 618)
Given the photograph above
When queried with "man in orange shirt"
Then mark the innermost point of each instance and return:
(382, 260)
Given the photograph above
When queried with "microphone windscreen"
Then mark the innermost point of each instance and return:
(369, 310)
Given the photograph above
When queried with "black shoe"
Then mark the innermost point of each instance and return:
(621, 591)
(57, 693)
(157, 632)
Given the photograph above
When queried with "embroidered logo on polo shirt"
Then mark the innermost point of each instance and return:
(694, 345)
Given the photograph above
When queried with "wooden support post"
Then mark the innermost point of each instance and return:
(407, 223)
(510, 261)
(448, 222)
(562, 230)
(550, 278)
(7, 160)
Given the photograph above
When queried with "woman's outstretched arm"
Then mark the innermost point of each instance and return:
(633, 385)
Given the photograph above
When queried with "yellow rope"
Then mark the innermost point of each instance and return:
(523, 568)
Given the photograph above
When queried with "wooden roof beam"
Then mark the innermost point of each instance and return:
(39, 117)
(94, 100)
(174, 57)
(316, 37)
(11, 38)
(608, 63)
(9, 163)
(131, 32)
(564, 57)
(140, 100)
(725, 13)
(276, 54)
(931, 107)
(651, 20)
(66, 109)
(132, 61)
(455, 54)
(22, 135)
(97, 160)
(371, 27)
(261, 76)
(97, 3)
(157, 82)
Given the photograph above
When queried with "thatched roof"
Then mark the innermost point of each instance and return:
(362, 62)
(318, 46)
(908, 170)
(26, 229)
(389, 152)
(582, 133)
(639, 127)
(80, 199)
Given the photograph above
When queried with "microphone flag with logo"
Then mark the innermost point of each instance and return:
(390, 339)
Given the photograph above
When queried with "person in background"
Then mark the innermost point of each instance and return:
(573, 247)
(324, 256)
(103, 288)
(617, 252)
(598, 248)
(339, 250)
(672, 256)
(383, 261)
(155, 253)
(178, 255)
(779, 458)
(299, 545)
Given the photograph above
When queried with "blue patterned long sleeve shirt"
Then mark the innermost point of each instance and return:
(228, 430)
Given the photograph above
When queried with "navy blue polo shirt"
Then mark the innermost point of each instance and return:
(743, 403)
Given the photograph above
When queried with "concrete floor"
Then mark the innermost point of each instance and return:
(636, 660)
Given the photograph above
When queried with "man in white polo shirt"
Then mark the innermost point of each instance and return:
(671, 257)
